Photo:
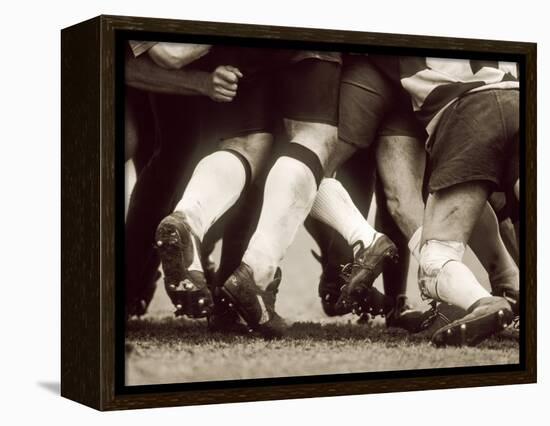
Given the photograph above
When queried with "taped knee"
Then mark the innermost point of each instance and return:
(434, 255)
(307, 157)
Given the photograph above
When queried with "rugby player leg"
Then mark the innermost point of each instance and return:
(310, 88)
(504, 213)
(364, 100)
(401, 160)
(397, 305)
(401, 164)
(471, 133)
(487, 244)
(159, 171)
(450, 216)
(216, 184)
(357, 176)
(237, 226)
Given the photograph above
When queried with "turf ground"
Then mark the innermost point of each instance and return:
(163, 349)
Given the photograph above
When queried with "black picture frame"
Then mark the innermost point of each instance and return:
(92, 335)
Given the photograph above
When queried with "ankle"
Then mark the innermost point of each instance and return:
(263, 268)
(193, 220)
(361, 240)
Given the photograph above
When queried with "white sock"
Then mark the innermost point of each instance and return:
(289, 192)
(414, 244)
(216, 184)
(334, 207)
(445, 277)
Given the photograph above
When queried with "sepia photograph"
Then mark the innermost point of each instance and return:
(295, 213)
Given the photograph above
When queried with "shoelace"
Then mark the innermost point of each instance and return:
(345, 272)
(359, 261)
(434, 314)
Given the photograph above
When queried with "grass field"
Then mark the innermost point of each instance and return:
(163, 349)
(175, 351)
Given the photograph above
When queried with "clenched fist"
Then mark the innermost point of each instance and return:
(223, 83)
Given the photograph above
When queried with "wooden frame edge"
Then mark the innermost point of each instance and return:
(107, 399)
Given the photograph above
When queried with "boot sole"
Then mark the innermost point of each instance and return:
(264, 329)
(473, 331)
(187, 297)
(227, 298)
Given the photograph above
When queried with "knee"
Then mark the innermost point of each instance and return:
(396, 208)
(403, 207)
(340, 154)
(255, 148)
(434, 255)
(318, 137)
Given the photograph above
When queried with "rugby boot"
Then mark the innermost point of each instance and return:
(486, 317)
(367, 264)
(329, 289)
(254, 305)
(184, 280)
(510, 293)
(225, 320)
(404, 316)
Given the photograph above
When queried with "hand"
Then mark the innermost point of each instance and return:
(223, 83)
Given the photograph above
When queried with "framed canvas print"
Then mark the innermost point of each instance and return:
(254, 212)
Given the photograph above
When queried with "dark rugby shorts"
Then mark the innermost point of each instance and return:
(477, 138)
(277, 86)
(371, 106)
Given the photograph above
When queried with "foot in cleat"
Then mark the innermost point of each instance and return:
(486, 317)
(254, 305)
(406, 317)
(367, 264)
(330, 283)
(184, 278)
(511, 293)
(373, 303)
(224, 319)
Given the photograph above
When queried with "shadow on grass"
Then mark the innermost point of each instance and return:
(171, 330)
